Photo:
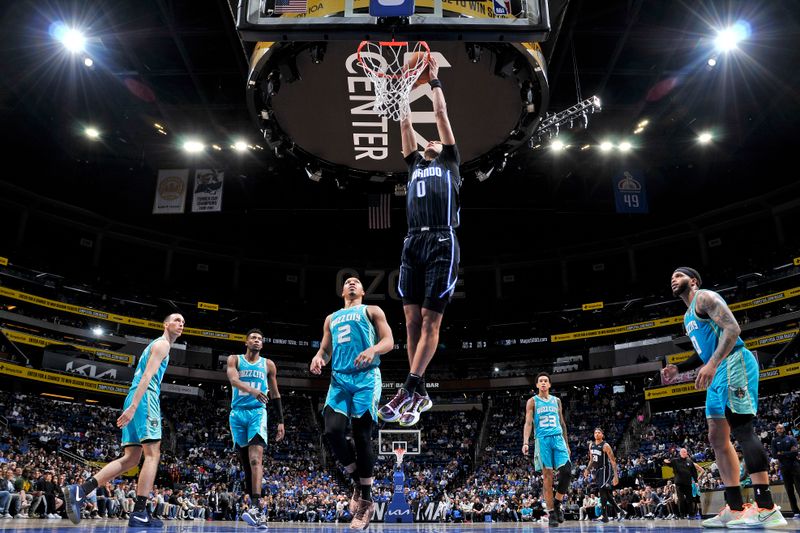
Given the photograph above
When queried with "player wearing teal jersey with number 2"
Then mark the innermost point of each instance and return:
(353, 339)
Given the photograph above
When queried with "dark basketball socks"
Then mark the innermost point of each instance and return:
(412, 382)
(733, 496)
(141, 503)
(763, 496)
(89, 485)
(366, 492)
(355, 477)
(421, 390)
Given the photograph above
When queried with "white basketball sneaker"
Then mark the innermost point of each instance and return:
(756, 517)
(725, 515)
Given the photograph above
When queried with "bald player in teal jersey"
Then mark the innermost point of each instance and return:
(729, 373)
(353, 339)
(253, 383)
(141, 430)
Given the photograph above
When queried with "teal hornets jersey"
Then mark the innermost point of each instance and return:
(155, 382)
(704, 333)
(352, 333)
(546, 417)
(255, 375)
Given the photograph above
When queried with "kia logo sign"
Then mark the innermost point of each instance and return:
(326, 114)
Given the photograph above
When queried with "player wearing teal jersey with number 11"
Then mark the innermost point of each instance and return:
(253, 384)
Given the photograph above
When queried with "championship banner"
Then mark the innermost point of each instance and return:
(630, 194)
(41, 342)
(170, 191)
(758, 342)
(661, 322)
(61, 379)
(688, 388)
(111, 317)
(207, 196)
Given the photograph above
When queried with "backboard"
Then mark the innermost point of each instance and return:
(391, 439)
(431, 20)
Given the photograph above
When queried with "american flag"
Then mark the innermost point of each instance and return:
(291, 6)
(379, 210)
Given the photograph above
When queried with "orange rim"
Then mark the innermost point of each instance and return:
(427, 52)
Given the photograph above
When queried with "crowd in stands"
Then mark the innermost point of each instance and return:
(200, 476)
(470, 465)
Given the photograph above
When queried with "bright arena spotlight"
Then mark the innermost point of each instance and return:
(728, 39)
(73, 40)
(193, 146)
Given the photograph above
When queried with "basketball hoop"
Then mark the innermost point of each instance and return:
(386, 64)
(399, 453)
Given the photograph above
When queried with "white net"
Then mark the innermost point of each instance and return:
(393, 67)
(399, 453)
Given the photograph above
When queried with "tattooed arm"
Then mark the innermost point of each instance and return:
(711, 304)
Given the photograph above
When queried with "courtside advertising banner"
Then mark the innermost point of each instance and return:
(171, 191)
(207, 196)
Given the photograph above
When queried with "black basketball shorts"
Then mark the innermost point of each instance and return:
(429, 269)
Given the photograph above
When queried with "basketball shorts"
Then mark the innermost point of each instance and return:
(354, 394)
(604, 478)
(735, 385)
(429, 268)
(551, 452)
(247, 423)
(146, 423)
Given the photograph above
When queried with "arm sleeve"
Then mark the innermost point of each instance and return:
(690, 364)
(278, 408)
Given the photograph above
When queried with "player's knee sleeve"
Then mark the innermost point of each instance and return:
(755, 456)
(362, 437)
(564, 477)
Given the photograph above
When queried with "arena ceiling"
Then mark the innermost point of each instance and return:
(181, 64)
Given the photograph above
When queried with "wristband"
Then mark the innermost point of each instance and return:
(434, 83)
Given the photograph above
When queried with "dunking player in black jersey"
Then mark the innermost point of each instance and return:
(429, 268)
(604, 465)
